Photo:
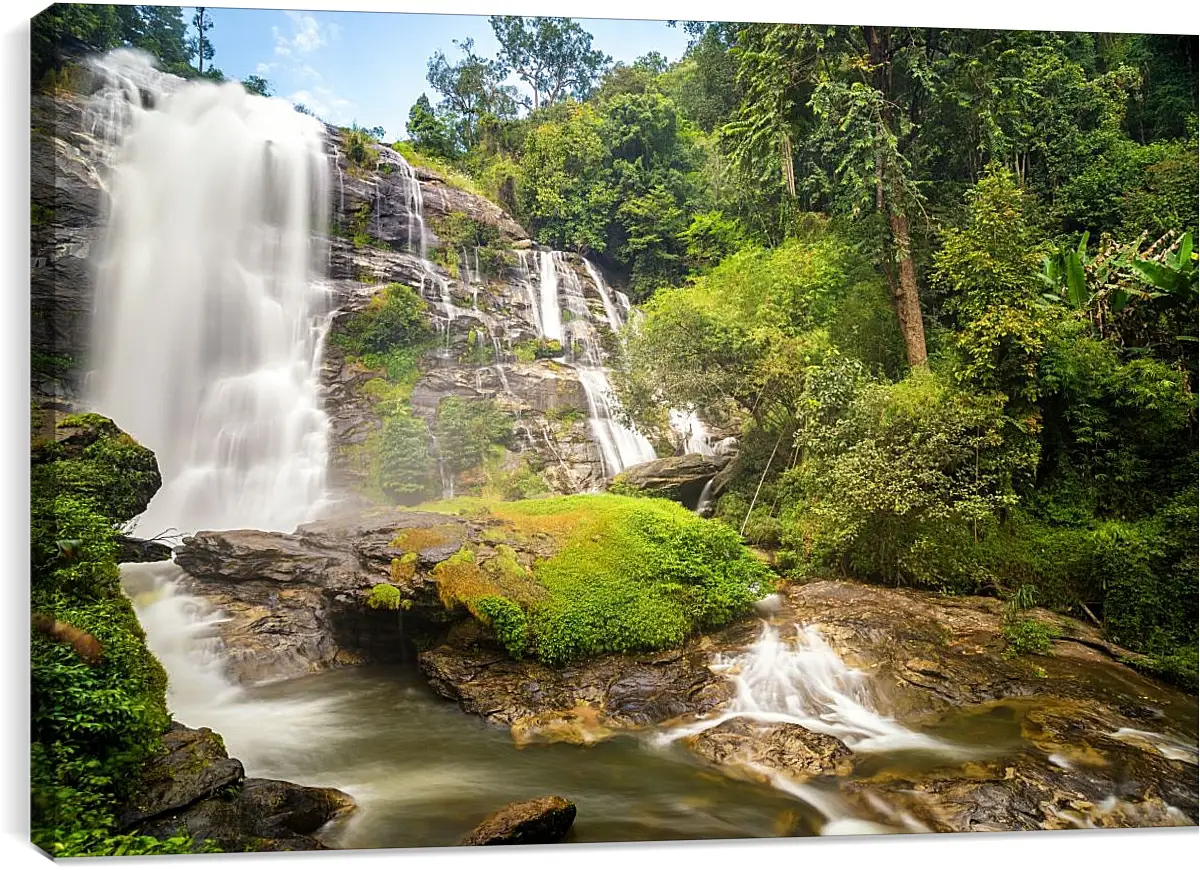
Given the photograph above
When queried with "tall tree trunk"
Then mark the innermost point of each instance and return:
(908, 301)
(904, 285)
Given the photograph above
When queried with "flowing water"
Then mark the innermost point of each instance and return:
(422, 771)
(620, 446)
(210, 312)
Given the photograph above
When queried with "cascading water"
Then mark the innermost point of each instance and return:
(550, 314)
(692, 431)
(210, 312)
(620, 446)
(806, 683)
(615, 320)
(181, 632)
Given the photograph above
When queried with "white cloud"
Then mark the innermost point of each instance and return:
(265, 68)
(306, 35)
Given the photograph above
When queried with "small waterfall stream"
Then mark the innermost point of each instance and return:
(807, 683)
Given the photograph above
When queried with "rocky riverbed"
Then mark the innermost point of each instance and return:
(1074, 737)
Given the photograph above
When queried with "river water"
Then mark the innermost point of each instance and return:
(424, 773)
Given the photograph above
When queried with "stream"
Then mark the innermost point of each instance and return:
(424, 773)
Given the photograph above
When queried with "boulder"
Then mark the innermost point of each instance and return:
(578, 703)
(195, 789)
(679, 478)
(264, 815)
(784, 747)
(541, 820)
(194, 767)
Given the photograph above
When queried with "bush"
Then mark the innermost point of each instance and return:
(395, 317)
(901, 486)
(405, 467)
(1027, 636)
(466, 429)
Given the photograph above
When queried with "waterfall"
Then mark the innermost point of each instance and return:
(610, 310)
(415, 226)
(551, 316)
(619, 445)
(210, 314)
(705, 503)
(181, 632)
(692, 431)
(806, 683)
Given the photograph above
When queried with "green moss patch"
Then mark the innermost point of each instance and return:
(626, 575)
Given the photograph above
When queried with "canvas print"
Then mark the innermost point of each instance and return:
(486, 430)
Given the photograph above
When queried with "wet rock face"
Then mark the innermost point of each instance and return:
(485, 316)
(679, 478)
(1082, 748)
(297, 603)
(789, 748)
(67, 201)
(580, 702)
(541, 820)
(195, 788)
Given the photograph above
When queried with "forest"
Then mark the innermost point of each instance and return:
(939, 286)
(942, 284)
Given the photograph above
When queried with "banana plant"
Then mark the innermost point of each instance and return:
(1063, 271)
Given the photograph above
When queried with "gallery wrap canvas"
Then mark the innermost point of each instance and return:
(455, 430)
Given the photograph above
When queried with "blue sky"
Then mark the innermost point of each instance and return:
(369, 67)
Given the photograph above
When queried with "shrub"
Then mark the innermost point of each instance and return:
(466, 429)
(901, 485)
(405, 467)
(1026, 636)
(360, 148)
(397, 316)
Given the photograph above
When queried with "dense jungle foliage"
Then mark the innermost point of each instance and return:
(941, 283)
(98, 695)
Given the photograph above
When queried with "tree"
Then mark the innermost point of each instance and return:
(201, 46)
(257, 85)
(471, 88)
(430, 132)
(163, 32)
(853, 97)
(554, 56)
(69, 30)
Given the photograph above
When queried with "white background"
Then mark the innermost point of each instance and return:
(1128, 850)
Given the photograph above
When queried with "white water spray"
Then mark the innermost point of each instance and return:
(209, 313)
(181, 631)
(550, 314)
(806, 683)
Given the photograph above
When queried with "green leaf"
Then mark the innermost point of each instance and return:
(1076, 281)
(1185, 251)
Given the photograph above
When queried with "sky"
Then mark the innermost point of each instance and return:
(368, 68)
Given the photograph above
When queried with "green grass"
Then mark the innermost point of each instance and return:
(447, 171)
